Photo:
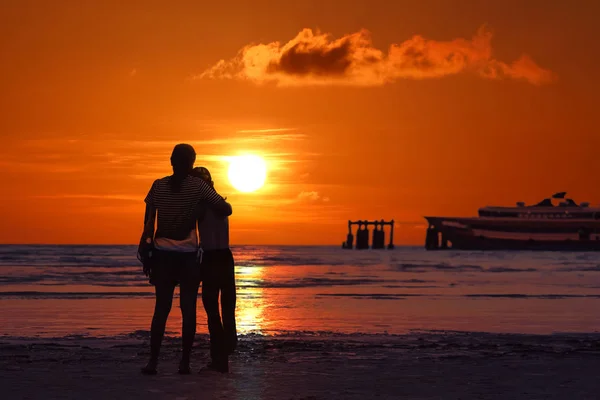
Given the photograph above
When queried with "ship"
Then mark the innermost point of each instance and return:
(566, 226)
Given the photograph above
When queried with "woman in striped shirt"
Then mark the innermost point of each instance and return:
(171, 202)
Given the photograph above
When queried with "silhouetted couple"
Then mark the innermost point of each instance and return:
(180, 206)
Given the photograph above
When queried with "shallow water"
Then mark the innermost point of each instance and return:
(53, 291)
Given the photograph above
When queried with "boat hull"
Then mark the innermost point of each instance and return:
(507, 234)
(460, 241)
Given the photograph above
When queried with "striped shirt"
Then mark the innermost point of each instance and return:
(173, 209)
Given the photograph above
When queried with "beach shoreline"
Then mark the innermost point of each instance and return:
(313, 324)
(317, 365)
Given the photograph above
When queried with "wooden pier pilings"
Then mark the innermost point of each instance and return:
(362, 235)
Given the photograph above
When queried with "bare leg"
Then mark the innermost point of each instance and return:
(162, 308)
(228, 300)
(187, 302)
(210, 299)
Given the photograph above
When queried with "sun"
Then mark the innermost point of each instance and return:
(247, 173)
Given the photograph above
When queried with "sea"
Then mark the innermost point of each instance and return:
(49, 291)
(313, 322)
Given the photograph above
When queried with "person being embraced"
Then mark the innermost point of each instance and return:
(218, 277)
(169, 252)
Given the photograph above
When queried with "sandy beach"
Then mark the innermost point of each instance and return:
(425, 365)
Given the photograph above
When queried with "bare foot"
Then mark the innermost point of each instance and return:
(150, 368)
(222, 367)
(184, 367)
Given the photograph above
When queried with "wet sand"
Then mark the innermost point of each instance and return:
(427, 365)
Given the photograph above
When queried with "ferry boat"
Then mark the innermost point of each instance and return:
(567, 226)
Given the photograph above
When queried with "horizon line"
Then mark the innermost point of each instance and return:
(135, 244)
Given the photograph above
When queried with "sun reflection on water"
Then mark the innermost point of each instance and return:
(250, 304)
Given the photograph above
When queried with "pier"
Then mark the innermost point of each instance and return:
(362, 235)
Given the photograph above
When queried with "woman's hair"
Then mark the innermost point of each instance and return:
(204, 174)
(182, 160)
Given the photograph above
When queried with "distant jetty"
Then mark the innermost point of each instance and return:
(362, 235)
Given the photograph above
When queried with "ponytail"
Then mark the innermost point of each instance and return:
(175, 181)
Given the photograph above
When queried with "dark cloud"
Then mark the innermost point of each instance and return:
(315, 58)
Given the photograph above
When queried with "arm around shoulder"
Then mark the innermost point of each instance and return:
(223, 208)
(214, 200)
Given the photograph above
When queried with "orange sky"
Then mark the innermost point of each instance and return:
(363, 109)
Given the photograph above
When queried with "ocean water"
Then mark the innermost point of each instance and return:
(100, 291)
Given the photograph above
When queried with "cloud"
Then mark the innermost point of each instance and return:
(78, 196)
(249, 137)
(268, 130)
(312, 196)
(48, 167)
(145, 160)
(314, 58)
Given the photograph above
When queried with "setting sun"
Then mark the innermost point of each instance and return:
(247, 173)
